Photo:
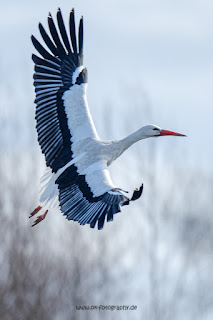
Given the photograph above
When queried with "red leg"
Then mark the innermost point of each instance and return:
(35, 211)
(40, 218)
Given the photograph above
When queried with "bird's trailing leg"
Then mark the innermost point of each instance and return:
(35, 211)
(40, 218)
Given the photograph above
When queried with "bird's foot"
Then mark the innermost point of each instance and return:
(35, 211)
(40, 218)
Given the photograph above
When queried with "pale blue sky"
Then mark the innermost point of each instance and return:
(162, 48)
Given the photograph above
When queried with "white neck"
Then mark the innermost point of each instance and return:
(134, 137)
(121, 145)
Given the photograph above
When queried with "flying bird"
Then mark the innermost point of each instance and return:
(76, 178)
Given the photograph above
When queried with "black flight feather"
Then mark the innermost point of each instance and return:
(63, 30)
(80, 37)
(72, 31)
(47, 40)
(42, 51)
(137, 193)
(55, 36)
(41, 62)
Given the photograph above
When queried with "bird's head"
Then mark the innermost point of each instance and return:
(155, 131)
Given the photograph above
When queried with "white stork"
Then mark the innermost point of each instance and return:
(76, 178)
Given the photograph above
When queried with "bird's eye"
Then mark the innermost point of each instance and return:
(155, 129)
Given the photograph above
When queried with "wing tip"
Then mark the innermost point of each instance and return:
(137, 193)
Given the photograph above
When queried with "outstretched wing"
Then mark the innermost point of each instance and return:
(78, 202)
(62, 113)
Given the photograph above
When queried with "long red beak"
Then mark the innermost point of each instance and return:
(171, 133)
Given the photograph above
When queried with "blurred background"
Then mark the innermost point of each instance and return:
(149, 62)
